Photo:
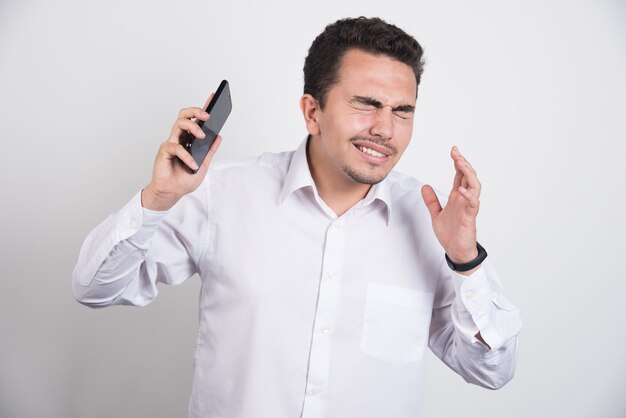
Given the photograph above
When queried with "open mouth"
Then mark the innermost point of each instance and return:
(373, 153)
(370, 151)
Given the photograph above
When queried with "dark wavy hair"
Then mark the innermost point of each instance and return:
(373, 35)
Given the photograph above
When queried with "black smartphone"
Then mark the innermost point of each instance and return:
(219, 108)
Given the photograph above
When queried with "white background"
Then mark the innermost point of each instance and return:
(532, 92)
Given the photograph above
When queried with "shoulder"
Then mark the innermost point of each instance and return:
(402, 183)
(407, 189)
(268, 161)
(264, 173)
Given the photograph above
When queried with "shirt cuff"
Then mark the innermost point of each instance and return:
(474, 305)
(481, 304)
(150, 219)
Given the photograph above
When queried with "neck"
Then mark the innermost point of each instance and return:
(340, 193)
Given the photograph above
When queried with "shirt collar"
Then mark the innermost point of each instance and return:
(299, 176)
(381, 192)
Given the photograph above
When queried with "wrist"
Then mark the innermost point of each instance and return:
(465, 266)
(462, 257)
(154, 200)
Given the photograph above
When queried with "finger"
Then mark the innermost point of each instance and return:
(214, 147)
(180, 152)
(192, 112)
(206, 104)
(470, 179)
(462, 162)
(204, 116)
(465, 183)
(185, 125)
(455, 153)
(472, 199)
(463, 176)
(209, 157)
(458, 177)
(431, 201)
(459, 158)
(458, 174)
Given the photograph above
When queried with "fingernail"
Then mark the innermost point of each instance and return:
(205, 114)
(201, 134)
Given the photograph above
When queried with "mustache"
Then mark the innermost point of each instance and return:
(377, 141)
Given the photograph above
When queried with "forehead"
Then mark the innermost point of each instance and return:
(377, 76)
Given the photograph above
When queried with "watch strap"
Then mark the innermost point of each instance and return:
(482, 254)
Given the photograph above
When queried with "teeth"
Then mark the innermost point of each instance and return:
(371, 152)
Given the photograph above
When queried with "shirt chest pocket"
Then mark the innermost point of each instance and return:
(395, 323)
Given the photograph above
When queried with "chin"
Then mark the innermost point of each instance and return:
(365, 178)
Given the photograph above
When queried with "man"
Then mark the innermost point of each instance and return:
(324, 274)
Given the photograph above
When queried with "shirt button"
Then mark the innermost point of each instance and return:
(133, 224)
(469, 294)
(325, 330)
(331, 275)
(314, 391)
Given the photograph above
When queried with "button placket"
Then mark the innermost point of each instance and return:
(326, 312)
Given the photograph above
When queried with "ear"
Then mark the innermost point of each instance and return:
(310, 111)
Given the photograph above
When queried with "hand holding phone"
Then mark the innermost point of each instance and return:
(189, 149)
(218, 109)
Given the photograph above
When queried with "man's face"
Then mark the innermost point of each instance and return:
(368, 119)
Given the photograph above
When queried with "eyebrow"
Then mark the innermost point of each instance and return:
(370, 101)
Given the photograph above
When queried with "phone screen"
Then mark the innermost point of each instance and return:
(219, 108)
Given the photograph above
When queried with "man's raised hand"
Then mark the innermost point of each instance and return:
(171, 177)
(455, 224)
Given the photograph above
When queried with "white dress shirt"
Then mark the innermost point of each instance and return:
(303, 313)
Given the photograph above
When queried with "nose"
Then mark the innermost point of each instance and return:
(382, 125)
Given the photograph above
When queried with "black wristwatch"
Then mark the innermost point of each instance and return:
(482, 254)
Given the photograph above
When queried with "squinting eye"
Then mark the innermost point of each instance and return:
(365, 108)
(403, 114)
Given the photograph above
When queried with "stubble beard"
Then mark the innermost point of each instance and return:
(361, 178)
(368, 178)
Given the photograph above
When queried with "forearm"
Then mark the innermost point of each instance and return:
(476, 362)
(114, 275)
(113, 255)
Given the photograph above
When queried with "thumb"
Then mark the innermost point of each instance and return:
(431, 201)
